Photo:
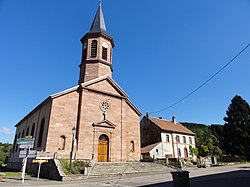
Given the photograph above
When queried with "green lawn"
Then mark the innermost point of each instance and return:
(13, 174)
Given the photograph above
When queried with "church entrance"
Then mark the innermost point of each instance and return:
(103, 148)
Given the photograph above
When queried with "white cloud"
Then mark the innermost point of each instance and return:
(5, 130)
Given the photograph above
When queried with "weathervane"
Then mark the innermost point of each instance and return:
(100, 2)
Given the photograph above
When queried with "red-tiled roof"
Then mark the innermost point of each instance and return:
(170, 126)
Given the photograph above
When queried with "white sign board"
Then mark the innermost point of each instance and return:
(22, 154)
(25, 140)
(31, 154)
(26, 146)
(43, 155)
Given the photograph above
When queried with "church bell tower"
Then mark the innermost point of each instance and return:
(97, 47)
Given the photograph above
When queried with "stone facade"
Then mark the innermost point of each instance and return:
(107, 123)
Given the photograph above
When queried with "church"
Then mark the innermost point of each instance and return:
(106, 125)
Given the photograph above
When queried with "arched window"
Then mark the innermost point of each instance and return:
(27, 131)
(184, 139)
(84, 51)
(23, 134)
(62, 142)
(32, 130)
(16, 149)
(177, 139)
(104, 53)
(132, 146)
(15, 143)
(93, 49)
(40, 137)
(190, 140)
(167, 138)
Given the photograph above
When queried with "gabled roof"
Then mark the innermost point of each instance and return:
(94, 81)
(98, 24)
(148, 148)
(84, 86)
(110, 81)
(170, 126)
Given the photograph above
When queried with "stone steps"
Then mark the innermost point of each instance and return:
(108, 168)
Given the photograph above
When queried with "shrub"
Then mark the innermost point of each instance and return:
(77, 166)
(147, 158)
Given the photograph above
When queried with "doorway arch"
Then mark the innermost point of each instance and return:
(103, 148)
(185, 152)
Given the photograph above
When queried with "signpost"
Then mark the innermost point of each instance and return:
(42, 157)
(26, 143)
(39, 167)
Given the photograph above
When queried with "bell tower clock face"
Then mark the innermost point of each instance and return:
(104, 44)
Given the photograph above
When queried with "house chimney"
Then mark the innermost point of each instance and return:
(174, 120)
(147, 115)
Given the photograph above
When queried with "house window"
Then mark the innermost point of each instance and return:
(40, 137)
(167, 138)
(156, 150)
(132, 146)
(62, 142)
(104, 53)
(177, 138)
(184, 139)
(93, 49)
(190, 140)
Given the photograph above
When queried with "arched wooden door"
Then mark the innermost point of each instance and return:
(185, 153)
(103, 148)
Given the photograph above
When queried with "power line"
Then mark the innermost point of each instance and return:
(199, 87)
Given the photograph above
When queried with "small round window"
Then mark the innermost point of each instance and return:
(105, 106)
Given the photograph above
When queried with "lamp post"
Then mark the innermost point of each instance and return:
(72, 148)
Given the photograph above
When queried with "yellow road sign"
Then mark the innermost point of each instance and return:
(28, 136)
(40, 161)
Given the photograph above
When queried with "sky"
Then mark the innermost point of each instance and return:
(164, 50)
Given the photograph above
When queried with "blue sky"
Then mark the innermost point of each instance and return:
(164, 50)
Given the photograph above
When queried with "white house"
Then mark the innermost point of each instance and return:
(165, 139)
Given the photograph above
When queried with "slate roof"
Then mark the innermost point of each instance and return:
(170, 126)
(98, 24)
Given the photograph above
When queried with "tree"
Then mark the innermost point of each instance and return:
(5, 149)
(237, 128)
(206, 142)
(193, 151)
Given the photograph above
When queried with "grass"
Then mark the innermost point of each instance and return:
(8, 173)
(13, 174)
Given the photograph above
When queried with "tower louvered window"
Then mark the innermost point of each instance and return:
(93, 49)
(104, 53)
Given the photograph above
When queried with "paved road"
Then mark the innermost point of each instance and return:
(226, 176)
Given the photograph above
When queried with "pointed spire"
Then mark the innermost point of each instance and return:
(98, 25)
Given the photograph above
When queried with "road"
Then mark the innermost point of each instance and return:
(223, 176)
